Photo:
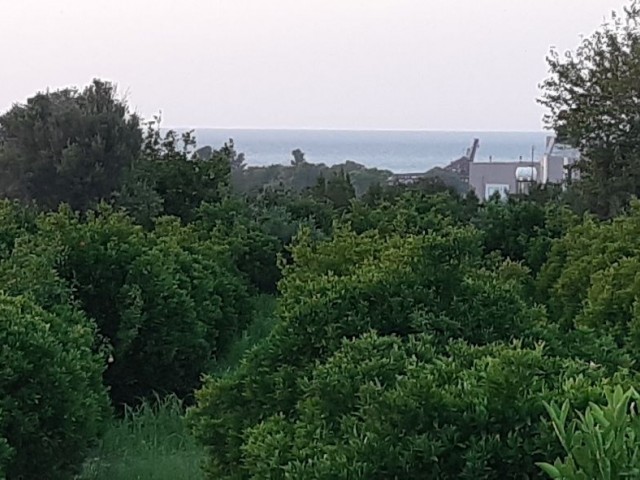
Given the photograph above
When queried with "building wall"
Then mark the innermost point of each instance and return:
(555, 160)
(484, 177)
(555, 171)
(551, 169)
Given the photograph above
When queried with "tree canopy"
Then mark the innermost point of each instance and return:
(69, 145)
(593, 97)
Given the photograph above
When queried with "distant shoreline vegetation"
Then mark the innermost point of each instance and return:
(396, 151)
(299, 175)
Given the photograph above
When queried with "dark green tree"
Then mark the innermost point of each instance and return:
(170, 178)
(523, 230)
(593, 97)
(165, 302)
(298, 157)
(68, 146)
(337, 190)
(245, 229)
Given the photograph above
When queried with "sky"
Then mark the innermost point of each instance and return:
(336, 64)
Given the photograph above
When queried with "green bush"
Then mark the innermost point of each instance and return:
(16, 220)
(166, 302)
(613, 302)
(383, 407)
(295, 209)
(31, 271)
(408, 212)
(602, 443)
(395, 285)
(169, 178)
(253, 249)
(586, 250)
(592, 279)
(522, 229)
(52, 401)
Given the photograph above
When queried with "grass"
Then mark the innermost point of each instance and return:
(152, 441)
(260, 327)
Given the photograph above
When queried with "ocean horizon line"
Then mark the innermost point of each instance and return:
(299, 129)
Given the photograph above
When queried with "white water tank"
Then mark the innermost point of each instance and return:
(526, 174)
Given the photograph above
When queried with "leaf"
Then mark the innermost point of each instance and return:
(549, 469)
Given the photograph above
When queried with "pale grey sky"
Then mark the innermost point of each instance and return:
(353, 64)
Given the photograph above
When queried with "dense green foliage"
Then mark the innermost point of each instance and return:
(319, 323)
(383, 408)
(524, 231)
(418, 293)
(602, 444)
(52, 402)
(589, 277)
(68, 146)
(165, 303)
(170, 179)
(593, 98)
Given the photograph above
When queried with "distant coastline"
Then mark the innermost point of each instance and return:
(400, 151)
(309, 129)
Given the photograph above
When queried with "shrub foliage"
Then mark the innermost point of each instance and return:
(52, 401)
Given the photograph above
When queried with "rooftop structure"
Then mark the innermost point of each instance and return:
(556, 166)
(489, 178)
(457, 169)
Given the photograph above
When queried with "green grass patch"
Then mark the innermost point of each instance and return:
(262, 324)
(151, 442)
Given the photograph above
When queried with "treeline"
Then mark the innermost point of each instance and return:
(418, 333)
(301, 175)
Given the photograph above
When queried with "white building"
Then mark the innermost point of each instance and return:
(487, 178)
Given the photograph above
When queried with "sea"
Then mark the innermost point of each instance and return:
(398, 151)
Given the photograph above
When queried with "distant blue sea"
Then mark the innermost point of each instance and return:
(398, 151)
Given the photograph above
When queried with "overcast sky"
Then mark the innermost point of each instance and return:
(347, 64)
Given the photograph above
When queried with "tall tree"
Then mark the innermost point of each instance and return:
(68, 146)
(593, 97)
(338, 189)
(170, 178)
(298, 157)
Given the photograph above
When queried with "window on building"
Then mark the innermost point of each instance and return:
(491, 188)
